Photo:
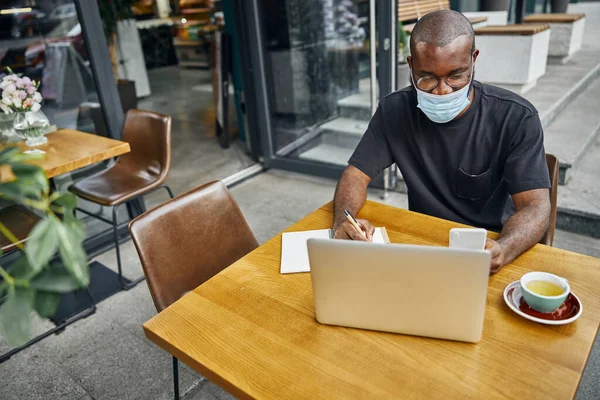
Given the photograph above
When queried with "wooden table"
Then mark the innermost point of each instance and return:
(68, 150)
(253, 331)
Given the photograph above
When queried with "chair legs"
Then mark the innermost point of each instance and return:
(115, 228)
(175, 378)
(124, 284)
(127, 285)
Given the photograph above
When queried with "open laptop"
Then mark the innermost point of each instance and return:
(416, 290)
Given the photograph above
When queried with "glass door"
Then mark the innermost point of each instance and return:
(320, 66)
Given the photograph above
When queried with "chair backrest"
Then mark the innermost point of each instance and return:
(412, 10)
(188, 240)
(553, 166)
(149, 136)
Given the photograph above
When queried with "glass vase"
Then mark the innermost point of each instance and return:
(32, 126)
(7, 130)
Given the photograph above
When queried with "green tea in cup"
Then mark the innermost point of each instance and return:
(544, 292)
(545, 288)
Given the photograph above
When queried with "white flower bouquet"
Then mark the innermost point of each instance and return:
(20, 95)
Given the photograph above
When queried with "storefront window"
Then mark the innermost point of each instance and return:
(43, 40)
(318, 73)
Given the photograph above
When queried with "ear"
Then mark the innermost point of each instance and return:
(409, 61)
(475, 55)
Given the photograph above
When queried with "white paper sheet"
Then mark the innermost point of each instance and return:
(294, 253)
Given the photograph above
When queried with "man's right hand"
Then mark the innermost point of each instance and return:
(345, 230)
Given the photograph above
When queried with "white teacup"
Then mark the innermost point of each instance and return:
(539, 302)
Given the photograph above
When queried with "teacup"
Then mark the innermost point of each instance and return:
(540, 302)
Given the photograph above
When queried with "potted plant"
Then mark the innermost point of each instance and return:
(35, 281)
(403, 77)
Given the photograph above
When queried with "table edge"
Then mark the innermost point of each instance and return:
(195, 365)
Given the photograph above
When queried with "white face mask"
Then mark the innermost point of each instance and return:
(443, 108)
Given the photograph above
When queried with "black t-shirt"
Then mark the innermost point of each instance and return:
(464, 170)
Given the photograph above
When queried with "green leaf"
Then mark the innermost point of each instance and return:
(74, 225)
(21, 268)
(20, 168)
(46, 303)
(17, 191)
(42, 243)
(7, 154)
(29, 174)
(56, 280)
(15, 315)
(3, 289)
(66, 200)
(72, 254)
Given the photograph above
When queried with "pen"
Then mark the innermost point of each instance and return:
(354, 223)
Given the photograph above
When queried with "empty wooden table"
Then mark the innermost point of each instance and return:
(253, 331)
(68, 150)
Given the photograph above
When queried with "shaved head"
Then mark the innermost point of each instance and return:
(442, 44)
(440, 28)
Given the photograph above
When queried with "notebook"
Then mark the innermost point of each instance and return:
(294, 253)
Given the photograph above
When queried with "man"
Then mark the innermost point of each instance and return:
(468, 152)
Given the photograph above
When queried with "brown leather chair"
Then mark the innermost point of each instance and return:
(188, 240)
(19, 221)
(134, 174)
(552, 162)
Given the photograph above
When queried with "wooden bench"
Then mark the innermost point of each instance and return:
(512, 56)
(493, 17)
(553, 18)
(477, 22)
(412, 10)
(518, 29)
(566, 35)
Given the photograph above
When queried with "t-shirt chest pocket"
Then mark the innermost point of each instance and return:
(473, 186)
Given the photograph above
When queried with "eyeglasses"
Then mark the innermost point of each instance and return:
(455, 81)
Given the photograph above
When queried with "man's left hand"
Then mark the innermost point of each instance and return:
(498, 254)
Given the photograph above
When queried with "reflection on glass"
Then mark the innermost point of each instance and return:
(43, 40)
(318, 72)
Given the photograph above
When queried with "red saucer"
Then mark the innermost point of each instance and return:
(568, 312)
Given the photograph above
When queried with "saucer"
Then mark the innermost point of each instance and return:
(568, 312)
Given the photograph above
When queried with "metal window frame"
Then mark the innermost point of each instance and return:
(387, 17)
(253, 41)
(248, 82)
(97, 47)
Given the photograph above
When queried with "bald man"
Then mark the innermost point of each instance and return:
(468, 152)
